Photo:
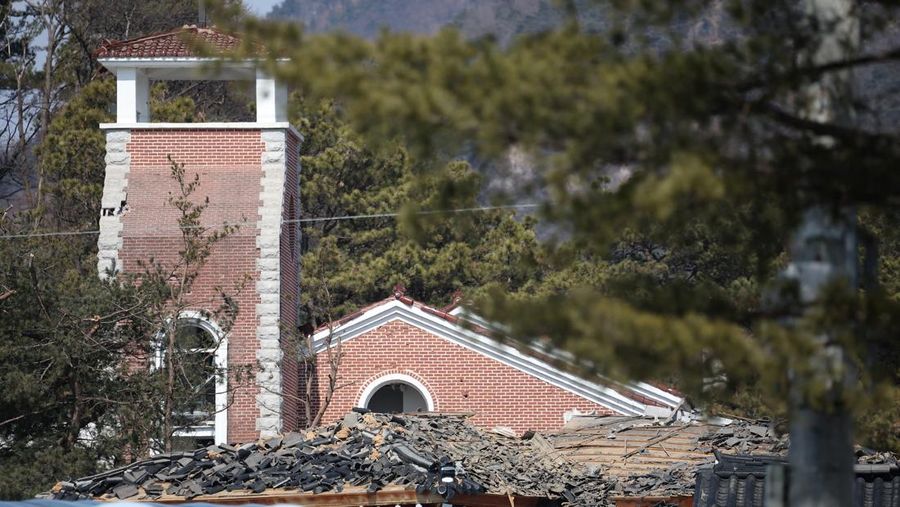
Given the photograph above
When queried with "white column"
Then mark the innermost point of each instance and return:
(271, 99)
(132, 96)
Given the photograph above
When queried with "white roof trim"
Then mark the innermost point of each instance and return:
(148, 62)
(191, 68)
(648, 391)
(654, 393)
(510, 356)
(171, 61)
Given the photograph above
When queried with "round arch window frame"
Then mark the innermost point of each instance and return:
(395, 378)
(220, 358)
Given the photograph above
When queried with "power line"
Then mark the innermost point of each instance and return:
(48, 234)
(424, 212)
(291, 221)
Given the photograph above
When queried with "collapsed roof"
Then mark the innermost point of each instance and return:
(648, 457)
(434, 456)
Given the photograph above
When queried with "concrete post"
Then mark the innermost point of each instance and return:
(824, 250)
(132, 96)
(271, 99)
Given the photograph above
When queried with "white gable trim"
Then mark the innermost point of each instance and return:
(510, 356)
(648, 391)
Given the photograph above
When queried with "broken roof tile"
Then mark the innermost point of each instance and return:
(370, 451)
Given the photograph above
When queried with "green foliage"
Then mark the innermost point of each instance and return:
(61, 360)
(73, 154)
(33, 467)
(76, 361)
(349, 263)
(880, 428)
(165, 108)
(720, 160)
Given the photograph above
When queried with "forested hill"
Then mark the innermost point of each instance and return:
(502, 18)
(506, 18)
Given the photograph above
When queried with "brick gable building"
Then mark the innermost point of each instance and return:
(402, 355)
(397, 355)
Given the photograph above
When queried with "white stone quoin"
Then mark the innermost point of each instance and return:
(113, 202)
(268, 311)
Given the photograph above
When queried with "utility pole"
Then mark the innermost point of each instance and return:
(202, 20)
(824, 251)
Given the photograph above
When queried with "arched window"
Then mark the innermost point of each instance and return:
(196, 372)
(201, 386)
(396, 393)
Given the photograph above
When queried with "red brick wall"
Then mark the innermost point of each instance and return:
(458, 379)
(228, 163)
(290, 263)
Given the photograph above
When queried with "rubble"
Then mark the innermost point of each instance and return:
(647, 457)
(745, 437)
(363, 450)
(866, 456)
(738, 441)
(677, 480)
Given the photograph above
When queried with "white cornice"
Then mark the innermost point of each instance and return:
(179, 61)
(182, 62)
(203, 126)
(510, 356)
(173, 61)
(184, 68)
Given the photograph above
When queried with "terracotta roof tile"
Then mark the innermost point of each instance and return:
(182, 42)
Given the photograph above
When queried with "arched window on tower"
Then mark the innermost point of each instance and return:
(199, 360)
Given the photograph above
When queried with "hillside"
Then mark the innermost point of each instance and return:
(502, 18)
(506, 18)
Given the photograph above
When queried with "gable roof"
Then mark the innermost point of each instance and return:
(627, 399)
(179, 43)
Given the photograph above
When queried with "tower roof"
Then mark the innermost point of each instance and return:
(184, 42)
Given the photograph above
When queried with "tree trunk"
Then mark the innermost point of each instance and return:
(169, 394)
(75, 418)
(824, 251)
(48, 14)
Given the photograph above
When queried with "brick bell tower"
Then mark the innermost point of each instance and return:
(248, 171)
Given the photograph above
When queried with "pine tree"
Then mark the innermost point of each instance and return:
(710, 132)
(350, 263)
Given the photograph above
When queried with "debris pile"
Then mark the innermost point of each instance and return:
(677, 480)
(743, 437)
(866, 456)
(426, 452)
(738, 442)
